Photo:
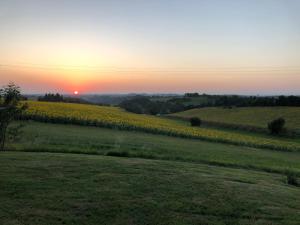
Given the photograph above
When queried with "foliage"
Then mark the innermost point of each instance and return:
(292, 178)
(195, 122)
(113, 117)
(118, 154)
(276, 126)
(143, 105)
(9, 109)
(191, 94)
(205, 100)
(49, 97)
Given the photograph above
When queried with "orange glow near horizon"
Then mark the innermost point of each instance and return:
(89, 80)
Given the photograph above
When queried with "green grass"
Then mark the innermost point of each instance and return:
(94, 140)
(249, 116)
(50, 188)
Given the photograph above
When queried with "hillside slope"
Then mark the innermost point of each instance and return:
(113, 117)
(45, 137)
(249, 116)
(51, 188)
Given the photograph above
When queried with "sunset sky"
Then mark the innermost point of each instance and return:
(157, 46)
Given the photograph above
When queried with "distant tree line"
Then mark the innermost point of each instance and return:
(243, 101)
(191, 95)
(50, 97)
(144, 105)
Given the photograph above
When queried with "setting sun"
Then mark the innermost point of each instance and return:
(75, 92)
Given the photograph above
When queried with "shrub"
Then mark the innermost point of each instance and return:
(276, 126)
(118, 154)
(292, 179)
(195, 122)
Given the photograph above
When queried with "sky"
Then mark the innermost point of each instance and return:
(157, 46)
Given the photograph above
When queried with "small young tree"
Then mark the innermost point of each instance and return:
(276, 126)
(10, 108)
(195, 121)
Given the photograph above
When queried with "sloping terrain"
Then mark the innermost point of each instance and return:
(249, 116)
(53, 188)
(45, 137)
(113, 117)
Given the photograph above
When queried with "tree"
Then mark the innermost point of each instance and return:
(49, 97)
(10, 108)
(276, 126)
(195, 122)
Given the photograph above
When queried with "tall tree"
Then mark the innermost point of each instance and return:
(10, 108)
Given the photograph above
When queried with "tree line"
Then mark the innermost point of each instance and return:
(242, 101)
(144, 105)
(51, 97)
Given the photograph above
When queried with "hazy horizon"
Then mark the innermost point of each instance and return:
(97, 47)
(150, 93)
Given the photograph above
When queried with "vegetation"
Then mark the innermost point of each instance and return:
(292, 178)
(9, 109)
(276, 126)
(113, 117)
(49, 97)
(195, 94)
(195, 122)
(240, 101)
(48, 188)
(43, 137)
(252, 118)
(143, 105)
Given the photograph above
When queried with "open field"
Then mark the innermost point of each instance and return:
(246, 116)
(113, 117)
(52, 188)
(93, 140)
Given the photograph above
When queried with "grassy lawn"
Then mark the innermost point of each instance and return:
(54, 188)
(252, 116)
(93, 140)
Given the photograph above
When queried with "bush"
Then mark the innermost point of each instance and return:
(118, 154)
(292, 179)
(276, 126)
(195, 122)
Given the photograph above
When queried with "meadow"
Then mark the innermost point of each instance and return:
(54, 188)
(114, 117)
(43, 137)
(101, 165)
(246, 116)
